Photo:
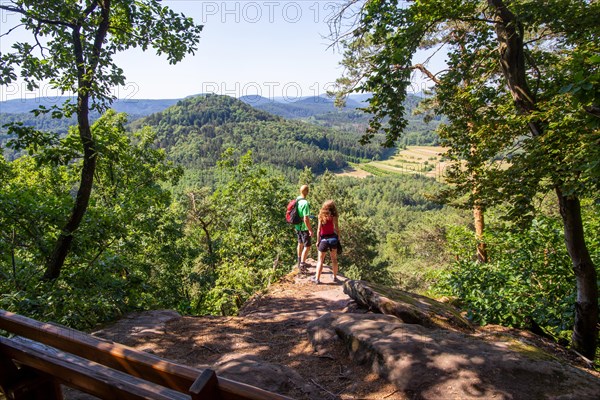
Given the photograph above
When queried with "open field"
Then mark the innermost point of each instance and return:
(422, 160)
(354, 172)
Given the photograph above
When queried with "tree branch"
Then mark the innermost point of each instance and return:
(22, 11)
(11, 29)
(593, 110)
(426, 72)
(91, 8)
(509, 32)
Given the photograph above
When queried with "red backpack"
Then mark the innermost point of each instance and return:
(291, 215)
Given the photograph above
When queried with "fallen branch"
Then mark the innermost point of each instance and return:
(586, 360)
(326, 356)
(208, 348)
(322, 388)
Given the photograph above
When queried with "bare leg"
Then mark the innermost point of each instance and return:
(299, 250)
(334, 262)
(305, 252)
(320, 261)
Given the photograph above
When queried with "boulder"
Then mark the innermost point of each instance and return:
(411, 308)
(441, 364)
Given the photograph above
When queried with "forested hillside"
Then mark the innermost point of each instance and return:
(316, 110)
(129, 106)
(20, 111)
(198, 129)
(321, 111)
(297, 108)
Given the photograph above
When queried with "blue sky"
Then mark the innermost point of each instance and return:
(271, 48)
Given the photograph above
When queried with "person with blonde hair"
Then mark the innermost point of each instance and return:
(328, 239)
(303, 229)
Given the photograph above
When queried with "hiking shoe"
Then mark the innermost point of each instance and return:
(314, 279)
(336, 280)
(303, 268)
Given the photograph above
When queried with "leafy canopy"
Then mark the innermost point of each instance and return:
(561, 42)
(65, 46)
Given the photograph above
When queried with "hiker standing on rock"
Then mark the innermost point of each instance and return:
(303, 229)
(328, 239)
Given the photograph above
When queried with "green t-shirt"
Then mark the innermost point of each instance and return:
(303, 211)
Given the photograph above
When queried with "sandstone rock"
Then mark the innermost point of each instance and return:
(252, 370)
(138, 324)
(436, 364)
(409, 307)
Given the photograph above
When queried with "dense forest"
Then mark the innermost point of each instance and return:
(182, 206)
(197, 130)
(322, 111)
(201, 119)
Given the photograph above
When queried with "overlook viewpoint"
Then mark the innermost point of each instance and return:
(310, 341)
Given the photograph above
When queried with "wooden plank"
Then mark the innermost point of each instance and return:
(126, 359)
(30, 384)
(234, 390)
(85, 375)
(206, 386)
(114, 355)
(19, 383)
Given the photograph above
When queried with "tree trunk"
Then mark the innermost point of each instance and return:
(509, 32)
(63, 244)
(585, 330)
(482, 256)
(196, 215)
(512, 61)
(85, 78)
(209, 243)
(478, 211)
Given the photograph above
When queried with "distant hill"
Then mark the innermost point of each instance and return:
(196, 130)
(19, 110)
(256, 100)
(338, 129)
(320, 110)
(361, 98)
(299, 109)
(129, 106)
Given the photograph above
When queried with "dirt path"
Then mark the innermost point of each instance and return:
(268, 336)
(267, 344)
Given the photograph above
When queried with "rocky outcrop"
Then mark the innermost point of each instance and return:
(421, 348)
(427, 349)
(411, 308)
(440, 364)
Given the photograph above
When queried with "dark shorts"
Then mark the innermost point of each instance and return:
(304, 238)
(329, 243)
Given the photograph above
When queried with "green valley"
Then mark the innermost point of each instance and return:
(196, 130)
(412, 160)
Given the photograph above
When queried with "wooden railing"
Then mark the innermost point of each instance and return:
(42, 356)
